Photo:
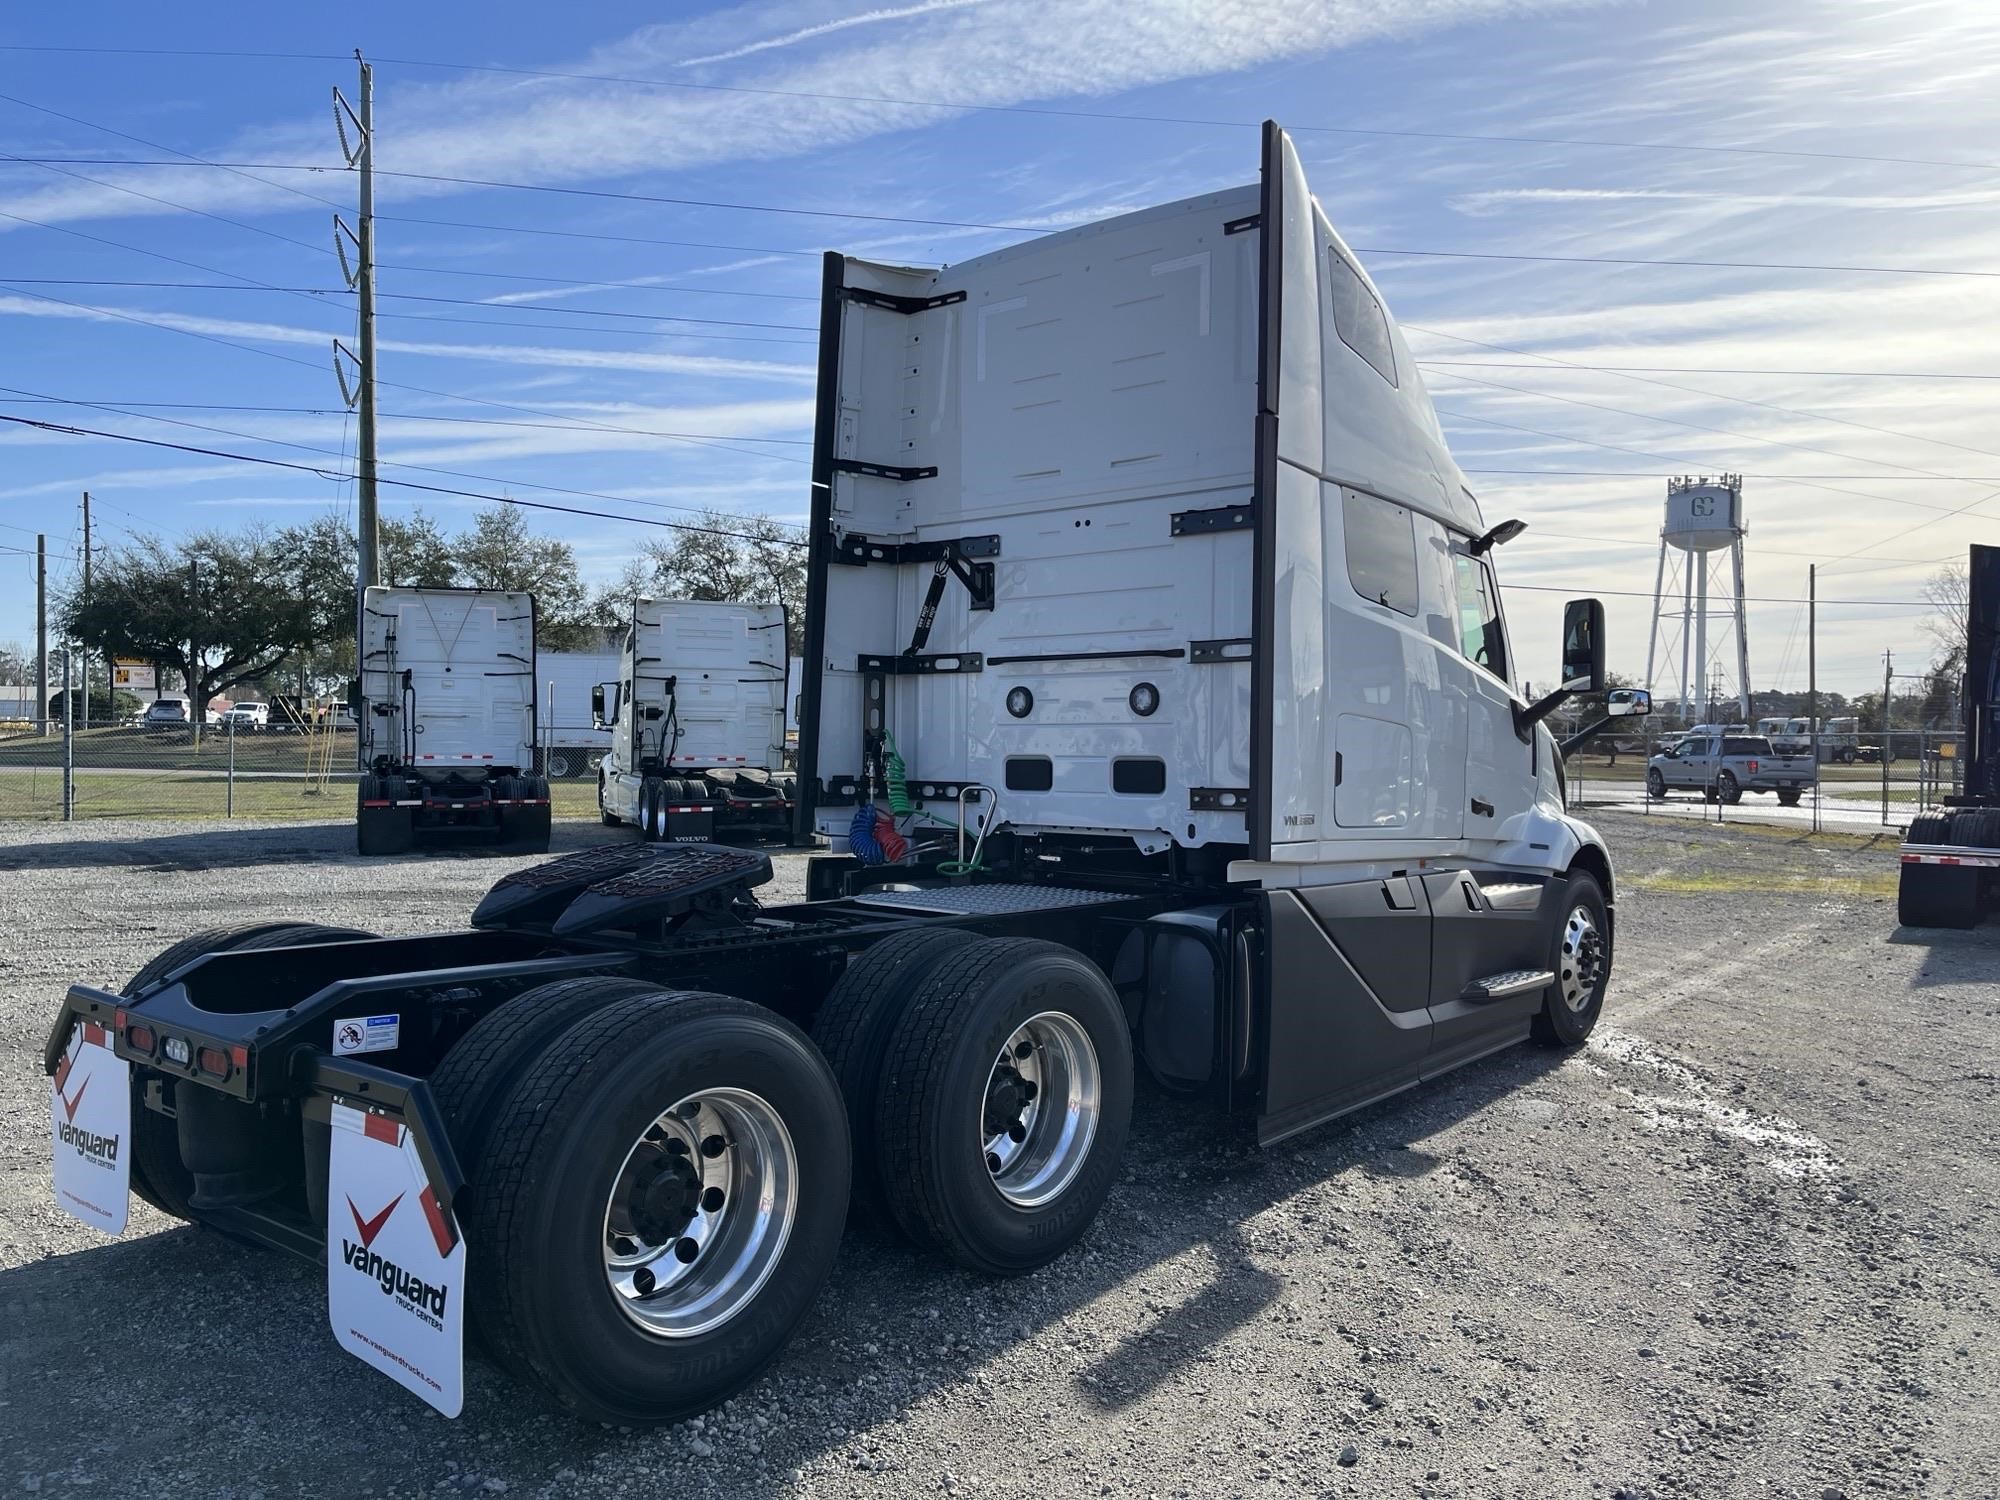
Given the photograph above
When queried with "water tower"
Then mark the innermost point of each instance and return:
(1696, 606)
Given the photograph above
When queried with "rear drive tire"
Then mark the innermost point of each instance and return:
(1005, 1100)
(638, 1272)
(648, 795)
(1580, 958)
(157, 1175)
(853, 1028)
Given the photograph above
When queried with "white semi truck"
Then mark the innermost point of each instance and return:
(1159, 695)
(572, 743)
(444, 709)
(697, 723)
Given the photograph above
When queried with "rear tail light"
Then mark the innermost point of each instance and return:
(213, 1060)
(1753, 768)
(141, 1039)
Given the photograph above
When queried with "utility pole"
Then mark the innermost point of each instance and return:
(108, 674)
(41, 633)
(1813, 736)
(361, 276)
(197, 699)
(1888, 686)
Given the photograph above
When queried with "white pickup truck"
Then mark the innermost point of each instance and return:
(1722, 767)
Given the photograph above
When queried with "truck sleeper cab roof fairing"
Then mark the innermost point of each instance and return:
(1134, 443)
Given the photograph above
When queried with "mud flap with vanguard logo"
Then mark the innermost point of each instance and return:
(90, 1110)
(395, 1264)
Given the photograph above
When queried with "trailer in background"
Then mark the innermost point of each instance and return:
(1951, 859)
(445, 712)
(572, 743)
(697, 723)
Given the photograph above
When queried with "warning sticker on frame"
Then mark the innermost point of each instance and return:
(366, 1033)
(90, 1113)
(395, 1264)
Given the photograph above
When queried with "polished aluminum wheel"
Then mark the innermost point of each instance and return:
(1039, 1116)
(700, 1212)
(1582, 958)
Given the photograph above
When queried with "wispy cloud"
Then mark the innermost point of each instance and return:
(828, 28)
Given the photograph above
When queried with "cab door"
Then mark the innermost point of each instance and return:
(1697, 761)
(1499, 764)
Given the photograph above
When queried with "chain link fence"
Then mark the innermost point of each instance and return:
(1860, 782)
(224, 770)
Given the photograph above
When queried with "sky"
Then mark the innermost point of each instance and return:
(636, 337)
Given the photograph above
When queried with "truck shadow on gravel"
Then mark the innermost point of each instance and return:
(279, 844)
(189, 1320)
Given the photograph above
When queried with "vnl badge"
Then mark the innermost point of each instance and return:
(90, 1113)
(395, 1263)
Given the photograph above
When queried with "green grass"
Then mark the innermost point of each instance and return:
(175, 750)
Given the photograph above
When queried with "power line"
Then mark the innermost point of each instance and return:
(1690, 390)
(1551, 588)
(1650, 544)
(961, 106)
(403, 416)
(899, 219)
(251, 437)
(1743, 473)
(578, 234)
(434, 489)
(1499, 364)
(341, 291)
(209, 338)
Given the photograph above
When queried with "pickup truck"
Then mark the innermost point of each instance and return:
(1725, 766)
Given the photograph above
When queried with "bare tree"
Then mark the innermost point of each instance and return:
(1951, 591)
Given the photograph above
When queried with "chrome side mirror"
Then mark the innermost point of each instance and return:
(1624, 703)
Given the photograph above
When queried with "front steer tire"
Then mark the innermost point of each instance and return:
(941, 1093)
(1580, 957)
(157, 1174)
(581, 1115)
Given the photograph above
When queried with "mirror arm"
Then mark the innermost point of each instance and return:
(1525, 719)
(1589, 731)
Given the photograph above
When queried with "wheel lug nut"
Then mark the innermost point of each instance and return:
(1017, 1132)
(686, 1251)
(712, 1200)
(676, 1146)
(1028, 1088)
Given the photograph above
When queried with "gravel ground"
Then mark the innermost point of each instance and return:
(1742, 1244)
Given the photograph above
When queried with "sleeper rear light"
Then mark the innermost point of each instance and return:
(177, 1050)
(213, 1060)
(141, 1038)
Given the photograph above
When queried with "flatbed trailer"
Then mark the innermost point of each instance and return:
(1271, 822)
(1950, 875)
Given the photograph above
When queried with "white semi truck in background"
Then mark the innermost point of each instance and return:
(1160, 701)
(444, 712)
(697, 723)
(572, 743)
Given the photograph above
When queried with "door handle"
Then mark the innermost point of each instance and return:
(1481, 807)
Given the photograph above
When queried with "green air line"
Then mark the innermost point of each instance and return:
(896, 778)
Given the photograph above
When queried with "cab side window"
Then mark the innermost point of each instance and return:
(1358, 318)
(1381, 551)
(1480, 634)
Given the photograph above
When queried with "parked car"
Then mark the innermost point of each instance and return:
(166, 712)
(1722, 767)
(247, 718)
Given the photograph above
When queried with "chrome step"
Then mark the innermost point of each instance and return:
(1513, 982)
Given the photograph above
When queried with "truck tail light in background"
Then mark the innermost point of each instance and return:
(1753, 768)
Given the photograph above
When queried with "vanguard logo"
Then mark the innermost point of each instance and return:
(392, 1278)
(103, 1149)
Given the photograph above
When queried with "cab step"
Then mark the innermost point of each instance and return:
(1513, 982)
